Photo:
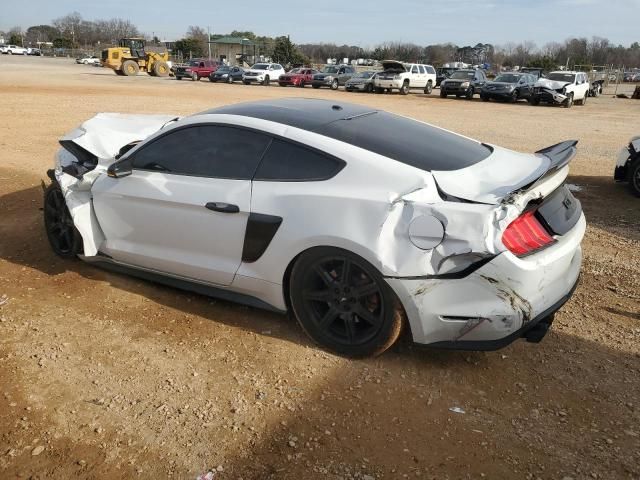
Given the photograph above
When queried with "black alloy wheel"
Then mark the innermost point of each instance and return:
(344, 304)
(63, 236)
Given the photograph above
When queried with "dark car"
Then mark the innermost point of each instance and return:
(333, 76)
(196, 69)
(443, 73)
(298, 77)
(226, 73)
(463, 83)
(509, 86)
(361, 82)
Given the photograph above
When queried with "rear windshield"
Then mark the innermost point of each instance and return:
(408, 141)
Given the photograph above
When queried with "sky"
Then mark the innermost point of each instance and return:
(361, 22)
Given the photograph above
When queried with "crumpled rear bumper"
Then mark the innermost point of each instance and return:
(494, 305)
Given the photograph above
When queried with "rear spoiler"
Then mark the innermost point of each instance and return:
(560, 154)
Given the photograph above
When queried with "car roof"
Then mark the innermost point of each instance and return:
(413, 143)
(304, 113)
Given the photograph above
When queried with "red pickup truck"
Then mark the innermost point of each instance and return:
(196, 69)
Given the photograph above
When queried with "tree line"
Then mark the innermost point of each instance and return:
(72, 31)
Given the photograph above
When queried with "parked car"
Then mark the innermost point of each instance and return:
(263, 73)
(442, 73)
(196, 69)
(511, 86)
(333, 76)
(227, 73)
(361, 82)
(36, 52)
(404, 77)
(628, 165)
(14, 50)
(92, 60)
(463, 83)
(298, 77)
(473, 244)
(562, 88)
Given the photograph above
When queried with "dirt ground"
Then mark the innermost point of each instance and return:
(106, 376)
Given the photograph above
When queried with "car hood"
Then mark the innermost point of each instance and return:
(393, 65)
(251, 70)
(500, 84)
(503, 172)
(551, 84)
(104, 134)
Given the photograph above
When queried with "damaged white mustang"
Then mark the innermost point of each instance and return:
(356, 220)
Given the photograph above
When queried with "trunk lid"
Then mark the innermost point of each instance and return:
(503, 172)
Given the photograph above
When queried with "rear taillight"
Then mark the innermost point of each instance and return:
(526, 235)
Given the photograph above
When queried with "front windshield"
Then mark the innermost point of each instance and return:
(461, 75)
(562, 77)
(260, 66)
(507, 78)
(330, 70)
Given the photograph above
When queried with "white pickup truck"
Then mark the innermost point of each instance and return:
(405, 76)
(14, 50)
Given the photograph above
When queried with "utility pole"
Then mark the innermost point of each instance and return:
(209, 41)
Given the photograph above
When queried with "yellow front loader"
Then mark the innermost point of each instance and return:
(129, 58)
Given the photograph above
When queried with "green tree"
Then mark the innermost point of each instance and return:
(62, 42)
(189, 47)
(15, 39)
(285, 52)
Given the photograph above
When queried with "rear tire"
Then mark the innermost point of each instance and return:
(535, 101)
(469, 94)
(343, 303)
(195, 77)
(130, 68)
(369, 88)
(315, 86)
(178, 78)
(634, 176)
(484, 98)
(379, 90)
(429, 88)
(63, 236)
(229, 79)
(335, 84)
(514, 96)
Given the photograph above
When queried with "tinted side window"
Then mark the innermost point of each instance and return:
(205, 151)
(288, 162)
(430, 69)
(414, 69)
(421, 68)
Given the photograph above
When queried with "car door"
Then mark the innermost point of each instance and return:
(183, 210)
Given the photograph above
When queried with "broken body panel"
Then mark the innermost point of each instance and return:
(473, 206)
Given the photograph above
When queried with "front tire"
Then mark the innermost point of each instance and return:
(344, 304)
(568, 103)
(469, 94)
(428, 88)
(266, 81)
(442, 93)
(335, 84)
(404, 89)
(63, 236)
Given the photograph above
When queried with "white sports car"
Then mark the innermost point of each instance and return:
(357, 221)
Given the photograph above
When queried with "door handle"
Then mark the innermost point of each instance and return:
(222, 207)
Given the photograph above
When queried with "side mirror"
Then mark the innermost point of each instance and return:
(125, 149)
(120, 169)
